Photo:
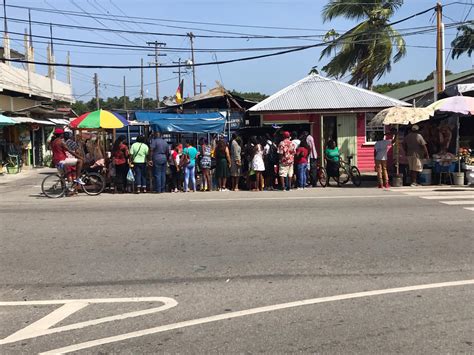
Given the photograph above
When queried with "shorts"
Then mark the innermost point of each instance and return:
(415, 164)
(285, 170)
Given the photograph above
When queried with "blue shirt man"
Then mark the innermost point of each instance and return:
(159, 152)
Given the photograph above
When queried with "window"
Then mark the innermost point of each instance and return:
(373, 133)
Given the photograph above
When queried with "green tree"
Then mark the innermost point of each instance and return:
(113, 103)
(464, 41)
(383, 88)
(365, 51)
(252, 96)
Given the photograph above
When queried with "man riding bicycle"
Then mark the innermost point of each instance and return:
(60, 155)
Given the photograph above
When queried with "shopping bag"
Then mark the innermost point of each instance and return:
(130, 176)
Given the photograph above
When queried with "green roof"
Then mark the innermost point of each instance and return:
(411, 90)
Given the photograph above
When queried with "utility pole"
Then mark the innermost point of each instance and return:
(29, 25)
(179, 62)
(142, 104)
(191, 38)
(96, 84)
(441, 78)
(5, 24)
(124, 93)
(69, 73)
(6, 39)
(200, 87)
(156, 63)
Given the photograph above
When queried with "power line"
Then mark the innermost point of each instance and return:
(129, 19)
(194, 64)
(235, 36)
(98, 21)
(118, 46)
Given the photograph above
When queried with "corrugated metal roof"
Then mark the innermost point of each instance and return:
(317, 93)
(410, 91)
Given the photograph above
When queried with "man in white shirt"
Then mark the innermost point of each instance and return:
(380, 155)
(295, 140)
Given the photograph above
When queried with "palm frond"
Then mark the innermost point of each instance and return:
(464, 41)
(350, 9)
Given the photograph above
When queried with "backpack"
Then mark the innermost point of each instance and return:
(272, 155)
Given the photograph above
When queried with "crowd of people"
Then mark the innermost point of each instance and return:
(281, 161)
(258, 163)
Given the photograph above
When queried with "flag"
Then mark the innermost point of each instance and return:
(179, 92)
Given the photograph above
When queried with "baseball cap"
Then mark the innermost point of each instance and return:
(286, 134)
(58, 131)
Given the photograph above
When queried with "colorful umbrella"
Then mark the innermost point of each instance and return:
(463, 105)
(6, 121)
(99, 119)
(401, 115)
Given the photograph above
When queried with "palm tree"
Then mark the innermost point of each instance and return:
(464, 41)
(364, 51)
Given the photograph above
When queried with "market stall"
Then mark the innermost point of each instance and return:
(455, 137)
(400, 116)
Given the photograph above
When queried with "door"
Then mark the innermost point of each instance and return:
(347, 136)
(329, 129)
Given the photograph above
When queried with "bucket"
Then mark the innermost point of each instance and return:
(458, 179)
(425, 177)
(397, 180)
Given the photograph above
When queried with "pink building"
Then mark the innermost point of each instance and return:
(329, 109)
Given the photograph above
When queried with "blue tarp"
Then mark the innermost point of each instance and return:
(212, 122)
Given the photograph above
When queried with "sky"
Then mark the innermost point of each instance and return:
(268, 75)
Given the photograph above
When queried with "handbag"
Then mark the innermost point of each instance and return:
(130, 176)
(184, 161)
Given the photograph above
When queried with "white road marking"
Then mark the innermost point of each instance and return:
(446, 197)
(231, 315)
(43, 326)
(426, 189)
(469, 208)
(286, 197)
(441, 193)
(453, 203)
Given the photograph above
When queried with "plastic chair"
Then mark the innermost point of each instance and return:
(14, 156)
(444, 174)
(444, 171)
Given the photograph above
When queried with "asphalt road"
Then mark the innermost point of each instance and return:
(227, 269)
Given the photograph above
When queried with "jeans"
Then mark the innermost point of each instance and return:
(159, 172)
(302, 174)
(189, 171)
(140, 174)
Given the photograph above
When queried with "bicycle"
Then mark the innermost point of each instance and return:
(349, 172)
(56, 185)
(323, 176)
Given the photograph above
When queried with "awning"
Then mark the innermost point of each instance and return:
(32, 120)
(6, 121)
(59, 121)
(212, 122)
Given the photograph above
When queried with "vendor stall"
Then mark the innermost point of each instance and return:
(453, 126)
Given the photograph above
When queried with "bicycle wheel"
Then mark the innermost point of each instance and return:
(343, 175)
(94, 183)
(323, 177)
(355, 176)
(53, 186)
